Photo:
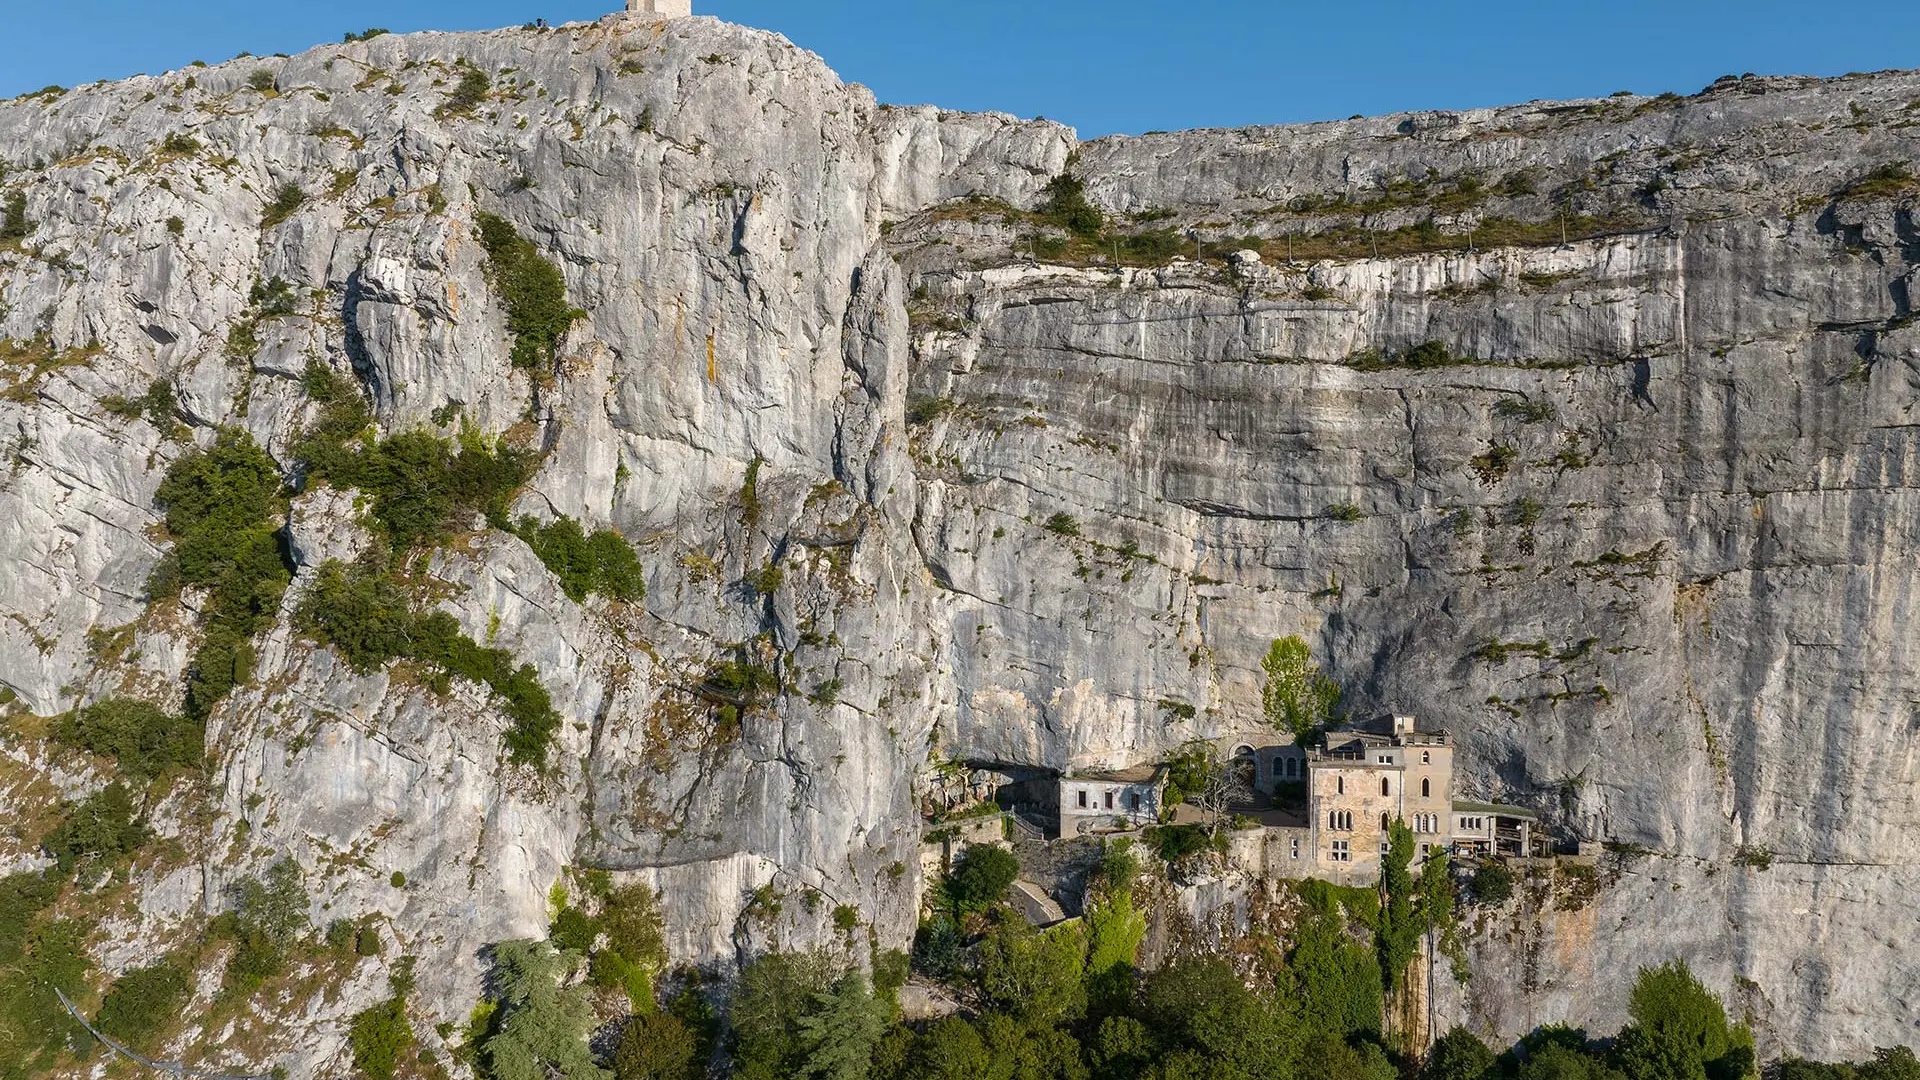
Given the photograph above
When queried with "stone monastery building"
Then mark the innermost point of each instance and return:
(1322, 811)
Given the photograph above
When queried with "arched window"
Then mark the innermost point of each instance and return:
(1426, 757)
(1346, 820)
(1292, 768)
(1339, 785)
(1385, 823)
(1426, 787)
(1384, 789)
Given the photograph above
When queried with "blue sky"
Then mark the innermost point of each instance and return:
(1120, 65)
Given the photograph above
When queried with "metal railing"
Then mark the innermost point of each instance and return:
(172, 1068)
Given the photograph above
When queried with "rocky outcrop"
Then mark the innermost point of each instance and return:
(1025, 511)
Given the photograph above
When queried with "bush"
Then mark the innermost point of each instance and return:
(363, 612)
(143, 740)
(267, 917)
(287, 199)
(603, 563)
(13, 218)
(364, 35)
(220, 508)
(101, 826)
(144, 1003)
(981, 877)
(657, 1046)
(1066, 205)
(1063, 524)
(35, 1028)
(261, 79)
(378, 1036)
(366, 941)
(467, 94)
(1492, 883)
(531, 288)
(341, 935)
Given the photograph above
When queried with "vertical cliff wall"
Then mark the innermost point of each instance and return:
(1636, 525)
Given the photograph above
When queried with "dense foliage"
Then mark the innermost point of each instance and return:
(981, 876)
(1297, 696)
(143, 740)
(366, 613)
(531, 288)
(267, 917)
(380, 1034)
(104, 825)
(13, 218)
(602, 563)
(145, 1003)
(222, 508)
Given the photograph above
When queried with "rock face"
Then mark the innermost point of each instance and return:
(1023, 509)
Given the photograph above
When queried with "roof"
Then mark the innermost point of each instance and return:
(1138, 774)
(1495, 809)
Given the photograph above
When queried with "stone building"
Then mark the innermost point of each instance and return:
(1110, 800)
(668, 9)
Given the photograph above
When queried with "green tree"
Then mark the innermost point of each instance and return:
(1335, 978)
(144, 1003)
(775, 992)
(1202, 1006)
(981, 876)
(1035, 976)
(839, 1034)
(950, 1049)
(378, 1036)
(657, 1046)
(268, 916)
(142, 739)
(1458, 1055)
(1297, 696)
(541, 1030)
(1680, 1031)
(103, 825)
(1492, 883)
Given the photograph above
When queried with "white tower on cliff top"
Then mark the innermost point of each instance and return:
(666, 9)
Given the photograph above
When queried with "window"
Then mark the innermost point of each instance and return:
(1296, 847)
(1083, 799)
(1340, 852)
(1292, 767)
(1385, 759)
(1426, 787)
(1384, 788)
(1340, 785)
(1134, 800)
(1424, 848)
(1109, 800)
(1426, 757)
(1385, 823)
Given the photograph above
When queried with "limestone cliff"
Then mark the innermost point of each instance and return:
(1666, 456)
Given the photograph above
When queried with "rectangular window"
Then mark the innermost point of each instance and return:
(1296, 847)
(1109, 800)
(1341, 852)
(1083, 799)
(1134, 801)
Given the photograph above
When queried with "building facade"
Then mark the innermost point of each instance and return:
(1110, 800)
(666, 9)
